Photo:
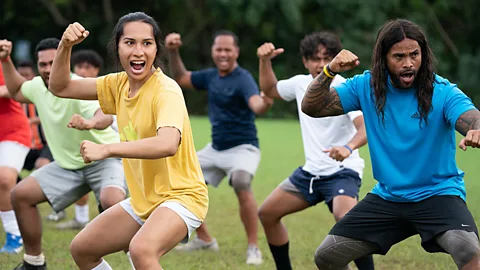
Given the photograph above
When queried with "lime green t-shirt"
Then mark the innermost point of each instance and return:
(55, 113)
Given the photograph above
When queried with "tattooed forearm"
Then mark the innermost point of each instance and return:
(320, 100)
(469, 120)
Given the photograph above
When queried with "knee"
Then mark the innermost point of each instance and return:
(321, 258)
(111, 196)
(241, 181)
(142, 254)
(79, 248)
(266, 215)
(8, 179)
(19, 195)
(463, 246)
(40, 162)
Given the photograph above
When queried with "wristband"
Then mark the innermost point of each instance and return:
(6, 59)
(348, 147)
(328, 72)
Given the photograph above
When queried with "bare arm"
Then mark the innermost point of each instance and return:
(260, 104)
(268, 80)
(13, 81)
(62, 85)
(165, 144)
(101, 121)
(360, 138)
(178, 70)
(469, 120)
(321, 100)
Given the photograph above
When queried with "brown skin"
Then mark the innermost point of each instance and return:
(225, 54)
(86, 70)
(405, 57)
(44, 64)
(26, 72)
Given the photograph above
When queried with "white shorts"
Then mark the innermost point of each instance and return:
(13, 154)
(218, 164)
(188, 217)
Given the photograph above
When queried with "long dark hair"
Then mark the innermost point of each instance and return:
(135, 17)
(391, 33)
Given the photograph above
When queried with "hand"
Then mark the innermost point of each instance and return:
(472, 139)
(80, 123)
(74, 34)
(5, 49)
(173, 41)
(91, 151)
(343, 61)
(268, 100)
(267, 51)
(339, 153)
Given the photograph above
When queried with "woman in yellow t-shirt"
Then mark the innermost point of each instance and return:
(169, 197)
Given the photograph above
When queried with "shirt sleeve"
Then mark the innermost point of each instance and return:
(27, 88)
(200, 78)
(249, 87)
(170, 110)
(286, 89)
(456, 104)
(107, 87)
(348, 93)
(354, 114)
(88, 108)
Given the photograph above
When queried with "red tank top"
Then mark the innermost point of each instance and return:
(13, 121)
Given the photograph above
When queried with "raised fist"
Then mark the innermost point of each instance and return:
(343, 61)
(74, 34)
(267, 51)
(5, 49)
(173, 41)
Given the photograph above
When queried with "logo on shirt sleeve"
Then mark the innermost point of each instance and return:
(128, 133)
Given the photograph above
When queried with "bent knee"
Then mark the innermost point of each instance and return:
(140, 251)
(8, 178)
(79, 248)
(111, 196)
(241, 181)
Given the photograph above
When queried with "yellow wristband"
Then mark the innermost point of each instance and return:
(325, 70)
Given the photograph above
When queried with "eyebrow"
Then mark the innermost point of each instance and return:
(145, 39)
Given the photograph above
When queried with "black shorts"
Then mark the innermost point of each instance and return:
(386, 223)
(34, 154)
(325, 188)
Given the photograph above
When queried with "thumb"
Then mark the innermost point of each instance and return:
(327, 150)
(278, 51)
(462, 145)
(86, 33)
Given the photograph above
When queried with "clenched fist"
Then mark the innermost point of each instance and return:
(343, 61)
(80, 123)
(74, 34)
(91, 151)
(173, 41)
(339, 153)
(472, 139)
(5, 49)
(267, 51)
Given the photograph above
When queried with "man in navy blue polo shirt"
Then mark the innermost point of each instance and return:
(233, 101)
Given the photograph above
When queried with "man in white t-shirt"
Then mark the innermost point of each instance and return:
(333, 168)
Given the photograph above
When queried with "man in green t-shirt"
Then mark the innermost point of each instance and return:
(66, 123)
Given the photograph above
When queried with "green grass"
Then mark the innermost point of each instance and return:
(282, 152)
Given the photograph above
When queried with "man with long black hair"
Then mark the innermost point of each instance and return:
(411, 115)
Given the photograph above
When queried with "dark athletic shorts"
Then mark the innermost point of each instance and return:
(386, 223)
(323, 188)
(33, 155)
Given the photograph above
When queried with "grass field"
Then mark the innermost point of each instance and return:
(282, 152)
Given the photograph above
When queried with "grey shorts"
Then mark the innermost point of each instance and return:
(218, 164)
(63, 187)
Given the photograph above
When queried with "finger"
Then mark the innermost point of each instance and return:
(76, 31)
(69, 37)
(475, 140)
(469, 138)
(278, 51)
(327, 150)
(86, 33)
(78, 26)
(462, 145)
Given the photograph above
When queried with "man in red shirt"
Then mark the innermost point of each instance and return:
(15, 141)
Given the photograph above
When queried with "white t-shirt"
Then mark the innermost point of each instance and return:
(319, 134)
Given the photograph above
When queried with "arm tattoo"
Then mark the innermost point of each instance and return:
(320, 100)
(469, 120)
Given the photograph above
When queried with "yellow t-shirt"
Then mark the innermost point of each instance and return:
(158, 103)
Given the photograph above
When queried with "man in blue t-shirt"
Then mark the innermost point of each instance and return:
(411, 115)
(233, 102)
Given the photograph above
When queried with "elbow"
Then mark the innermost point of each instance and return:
(307, 109)
(57, 89)
(171, 150)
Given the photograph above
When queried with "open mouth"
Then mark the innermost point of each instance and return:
(137, 66)
(407, 77)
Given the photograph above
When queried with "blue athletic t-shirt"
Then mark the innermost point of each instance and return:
(410, 163)
(233, 122)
